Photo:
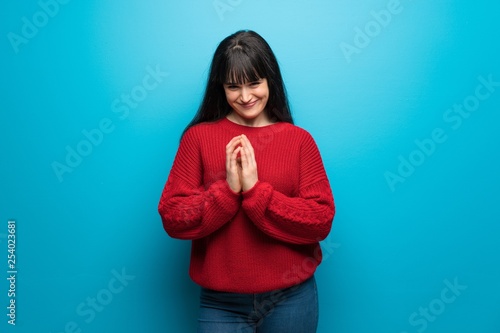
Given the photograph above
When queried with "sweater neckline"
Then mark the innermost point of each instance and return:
(226, 122)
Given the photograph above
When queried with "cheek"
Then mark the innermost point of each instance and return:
(264, 93)
(230, 97)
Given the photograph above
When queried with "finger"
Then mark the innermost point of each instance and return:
(228, 159)
(244, 157)
(234, 158)
(248, 150)
(247, 143)
(234, 141)
(247, 160)
(230, 147)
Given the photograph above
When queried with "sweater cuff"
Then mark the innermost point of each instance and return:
(227, 198)
(257, 198)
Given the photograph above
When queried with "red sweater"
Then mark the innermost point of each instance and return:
(265, 238)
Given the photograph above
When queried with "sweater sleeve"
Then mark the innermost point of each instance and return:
(187, 209)
(304, 219)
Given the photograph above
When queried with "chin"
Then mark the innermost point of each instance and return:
(249, 117)
(251, 113)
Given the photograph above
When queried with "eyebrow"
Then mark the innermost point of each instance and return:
(238, 84)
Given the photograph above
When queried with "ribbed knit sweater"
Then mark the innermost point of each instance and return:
(256, 241)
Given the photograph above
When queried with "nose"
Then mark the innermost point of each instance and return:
(245, 95)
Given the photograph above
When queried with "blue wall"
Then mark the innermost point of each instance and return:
(402, 97)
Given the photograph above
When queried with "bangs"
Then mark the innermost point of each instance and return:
(241, 68)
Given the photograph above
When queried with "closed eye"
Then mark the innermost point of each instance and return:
(232, 86)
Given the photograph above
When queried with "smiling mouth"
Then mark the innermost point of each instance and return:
(249, 105)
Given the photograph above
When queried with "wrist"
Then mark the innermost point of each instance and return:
(248, 187)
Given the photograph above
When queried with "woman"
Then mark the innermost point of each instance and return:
(249, 189)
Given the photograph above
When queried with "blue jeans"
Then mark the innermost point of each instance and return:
(290, 310)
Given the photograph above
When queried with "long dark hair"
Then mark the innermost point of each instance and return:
(243, 57)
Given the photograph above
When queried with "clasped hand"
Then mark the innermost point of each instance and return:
(241, 168)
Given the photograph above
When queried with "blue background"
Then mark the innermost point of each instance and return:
(395, 245)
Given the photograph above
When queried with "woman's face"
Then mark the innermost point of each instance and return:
(248, 101)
